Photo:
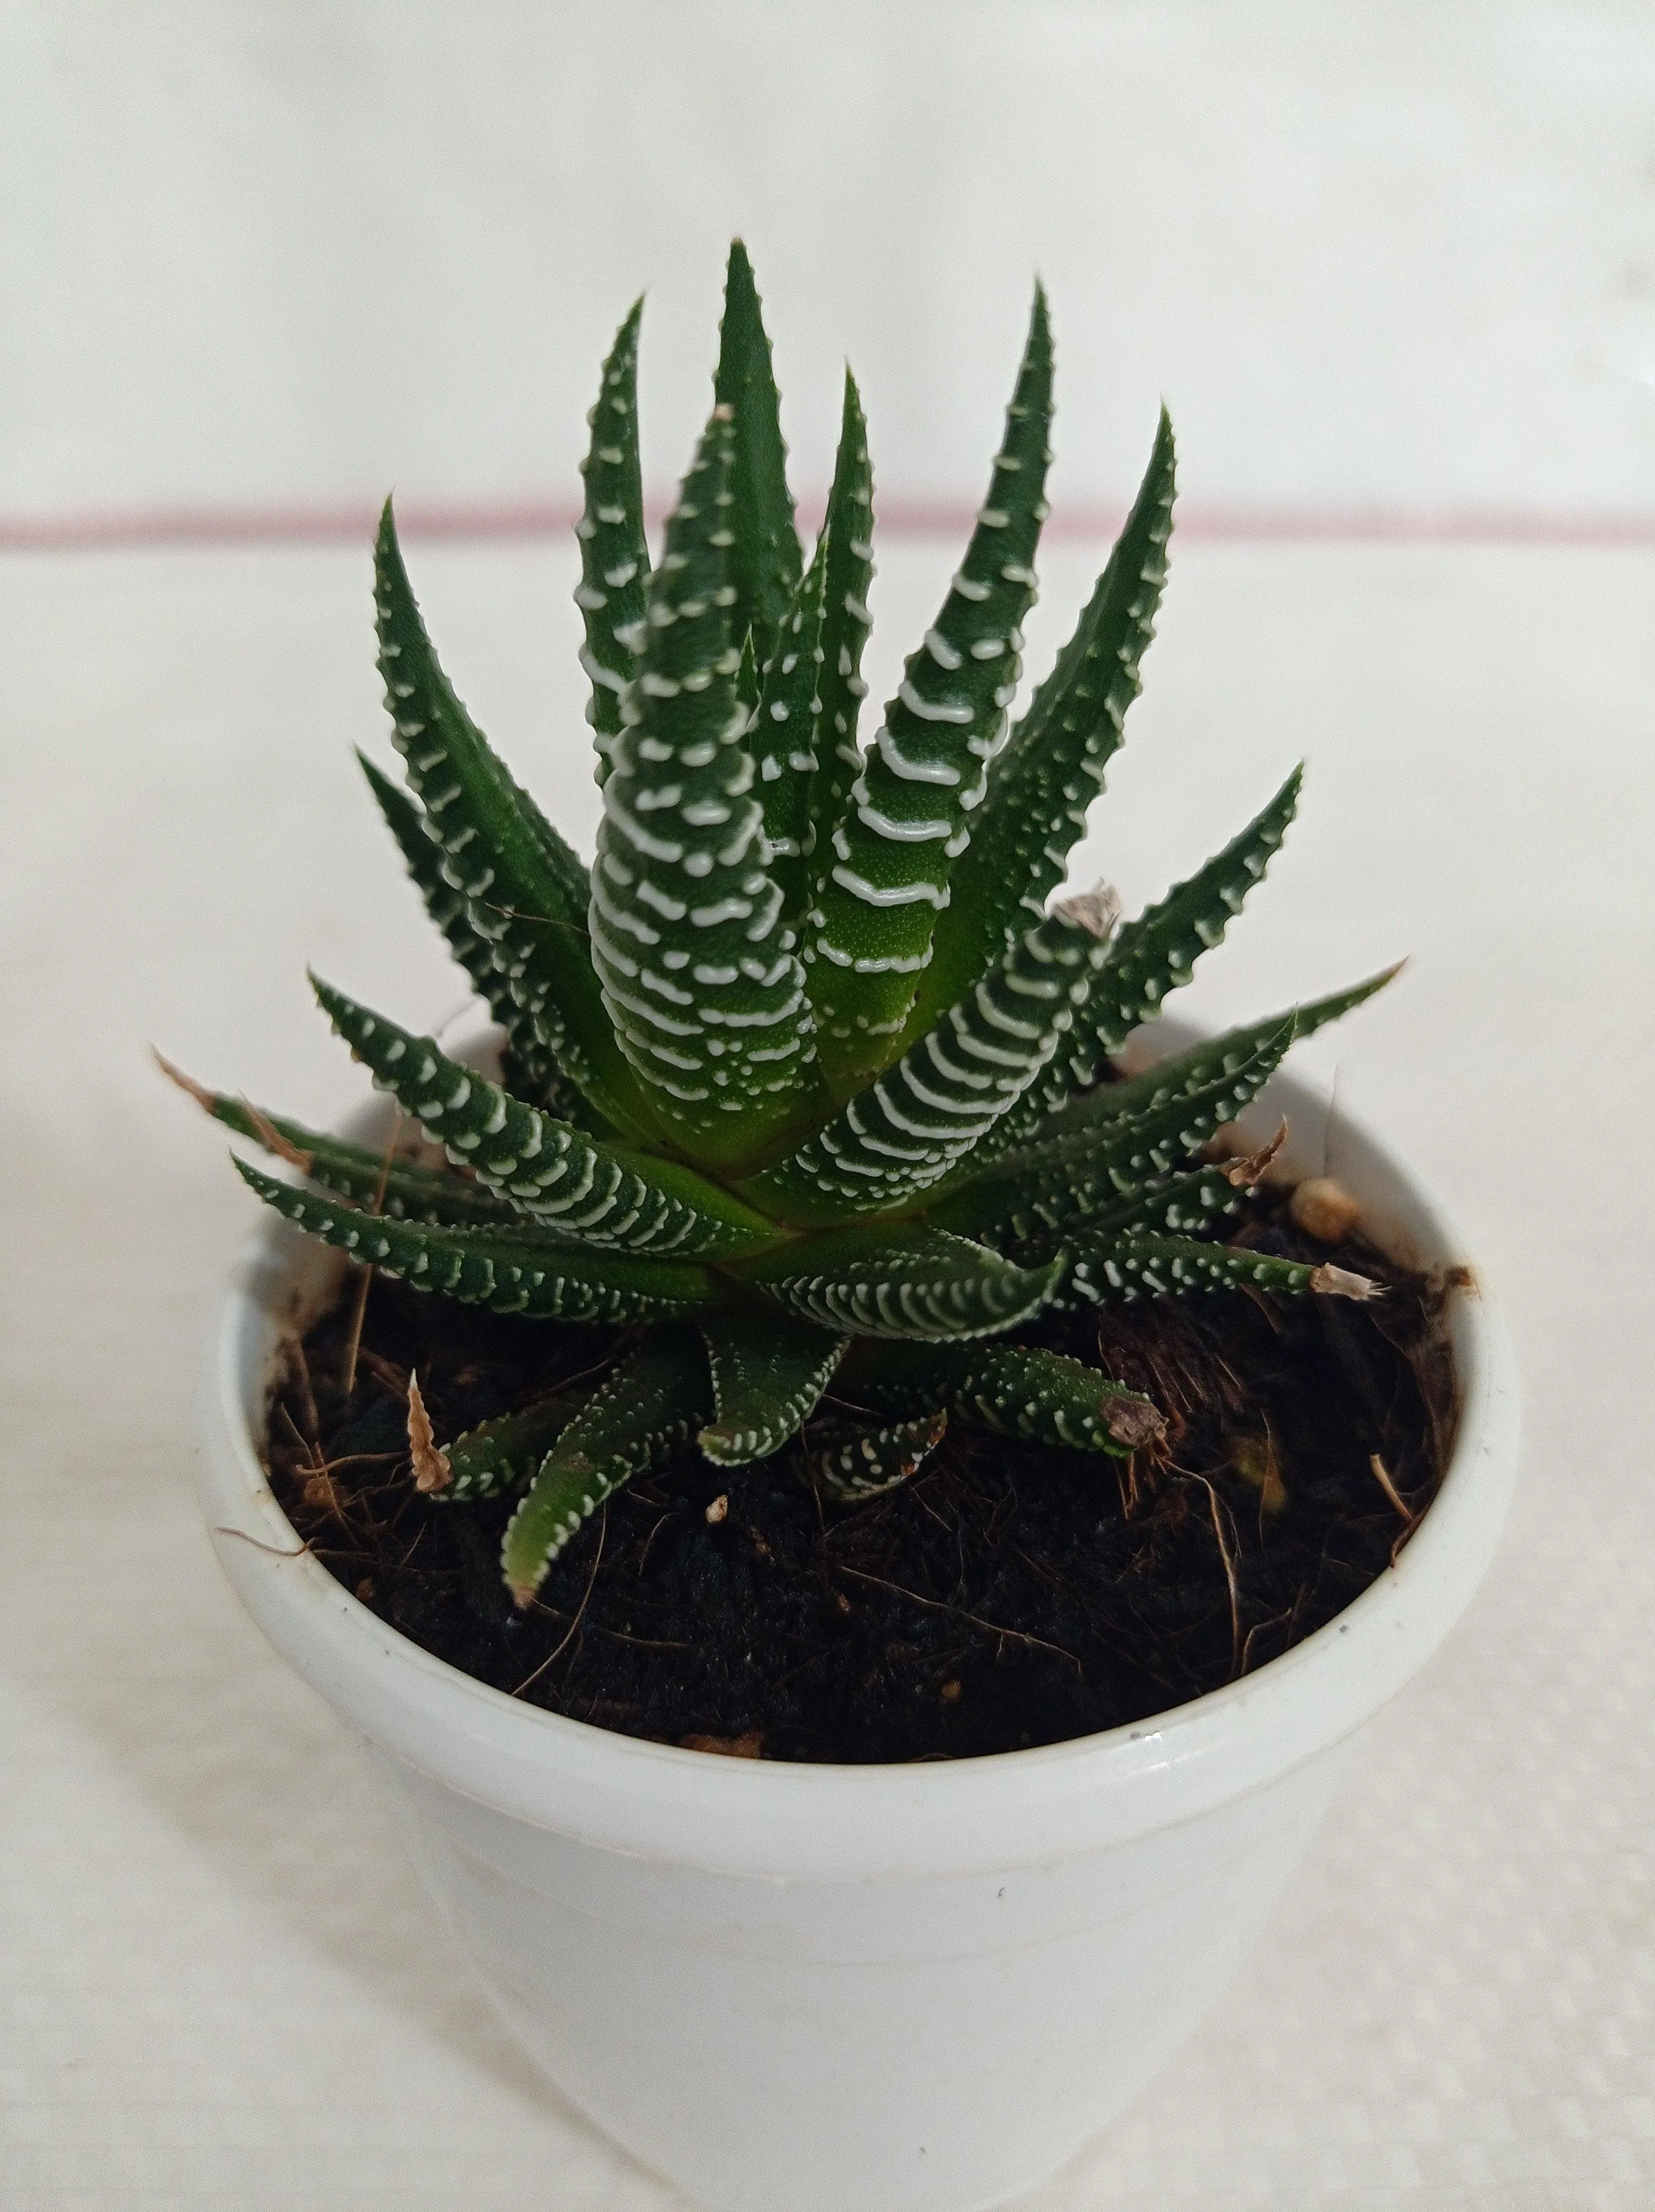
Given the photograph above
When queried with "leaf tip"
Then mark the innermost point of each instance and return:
(433, 1470)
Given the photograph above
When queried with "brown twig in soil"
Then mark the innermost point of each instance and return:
(275, 1552)
(359, 1310)
(1382, 1476)
(937, 1605)
(1225, 1554)
(299, 1369)
(597, 1557)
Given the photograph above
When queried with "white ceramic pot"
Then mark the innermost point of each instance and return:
(880, 1988)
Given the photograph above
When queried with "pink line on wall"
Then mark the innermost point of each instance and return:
(482, 522)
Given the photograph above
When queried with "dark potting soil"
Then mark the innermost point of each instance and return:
(1009, 1594)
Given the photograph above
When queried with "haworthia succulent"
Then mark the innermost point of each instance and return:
(767, 1373)
(802, 1079)
(1042, 1190)
(1043, 1396)
(1052, 769)
(503, 1454)
(498, 1268)
(765, 557)
(902, 1282)
(855, 1460)
(525, 889)
(1123, 1269)
(547, 1169)
(909, 812)
(849, 530)
(614, 554)
(911, 1126)
(699, 974)
(656, 1398)
(1150, 956)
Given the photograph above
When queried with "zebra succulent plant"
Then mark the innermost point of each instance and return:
(801, 1076)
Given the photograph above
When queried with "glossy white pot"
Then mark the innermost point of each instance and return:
(884, 1989)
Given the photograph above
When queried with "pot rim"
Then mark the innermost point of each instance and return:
(792, 1821)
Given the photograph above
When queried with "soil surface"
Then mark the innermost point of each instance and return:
(1009, 1594)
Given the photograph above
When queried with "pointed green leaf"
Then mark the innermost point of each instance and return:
(546, 1168)
(849, 531)
(1118, 1270)
(525, 889)
(1187, 1071)
(764, 558)
(614, 555)
(1150, 956)
(496, 1268)
(534, 1065)
(855, 1459)
(1044, 1396)
(357, 1172)
(782, 740)
(503, 1453)
(908, 816)
(699, 976)
(768, 1373)
(1052, 769)
(654, 1399)
(1044, 1190)
(917, 1121)
(901, 1282)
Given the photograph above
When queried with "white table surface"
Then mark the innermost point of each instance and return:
(1396, 259)
(218, 1983)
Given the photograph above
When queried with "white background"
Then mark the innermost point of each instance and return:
(1394, 268)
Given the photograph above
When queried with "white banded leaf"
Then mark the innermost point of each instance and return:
(849, 530)
(546, 1168)
(783, 740)
(492, 1268)
(701, 977)
(1150, 956)
(917, 1121)
(1120, 1269)
(1054, 764)
(503, 1454)
(765, 556)
(1013, 1390)
(909, 814)
(902, 1282)
(769, 1372)
(856, 1460)
(656, 1398)
(1044, 1190)
(614, 553)
(525, 890)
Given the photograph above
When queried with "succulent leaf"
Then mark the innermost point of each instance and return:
(656, 1397)
(1052, 769)
(1185, 1072)
(503, 1454)
(765, 556)
(700, 976)
(914, 1123)
(900, 1281)
(1150, 956)
(783, 740)
(1043, 1191)
(848, 531)
(1119, 1269)
(614, 553)
(505, 1270)
(535, 1068)
(908, 815)
(767, 1373)
(546, 1168)
(524, 888)
(1016, 1392)
(853, 1461)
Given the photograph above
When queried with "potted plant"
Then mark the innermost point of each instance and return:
(808, 1115)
